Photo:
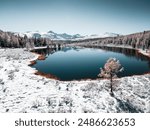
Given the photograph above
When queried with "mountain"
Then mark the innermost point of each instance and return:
(51, 35)
(107, 34)
(64, 36)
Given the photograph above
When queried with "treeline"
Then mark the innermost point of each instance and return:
(137, 40)
(11, 40)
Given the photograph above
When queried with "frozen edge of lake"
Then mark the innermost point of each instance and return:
(23, 91)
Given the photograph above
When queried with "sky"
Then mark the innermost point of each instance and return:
(84, 17)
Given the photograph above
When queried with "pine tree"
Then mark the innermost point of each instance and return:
(110, 70)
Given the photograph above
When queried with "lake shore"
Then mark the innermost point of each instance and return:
(23, 91)
(143, 52)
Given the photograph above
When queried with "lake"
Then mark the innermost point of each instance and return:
(76, 63)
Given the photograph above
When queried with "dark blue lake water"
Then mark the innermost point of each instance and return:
(83, 63)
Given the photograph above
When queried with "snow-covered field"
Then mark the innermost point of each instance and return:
(23, 91)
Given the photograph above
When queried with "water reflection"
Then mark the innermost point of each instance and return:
(126, 51)
(70, 63)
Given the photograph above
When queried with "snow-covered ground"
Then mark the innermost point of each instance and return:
(23, 91)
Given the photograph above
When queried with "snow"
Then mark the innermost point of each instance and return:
(144, 52)
(49, 34)
(108, 34)
(93, 36)
(23, 91)
(64, 36)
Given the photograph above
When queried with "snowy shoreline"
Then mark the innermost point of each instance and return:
(143, 52)
(23, 91)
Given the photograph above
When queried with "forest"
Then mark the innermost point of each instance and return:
(137, 40)
(11, 40)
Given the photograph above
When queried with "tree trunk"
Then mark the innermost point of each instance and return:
(111, 80)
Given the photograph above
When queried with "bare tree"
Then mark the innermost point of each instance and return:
(48, 42)
(110, 70)
(28, 46)
(31, 43)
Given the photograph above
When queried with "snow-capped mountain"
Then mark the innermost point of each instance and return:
(51, 35)
(65, 36)
(107, 34)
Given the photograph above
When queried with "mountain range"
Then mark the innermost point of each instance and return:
(64, 36)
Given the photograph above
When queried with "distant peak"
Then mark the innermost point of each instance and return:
(50, 31)
(77, 35)
(110, 34)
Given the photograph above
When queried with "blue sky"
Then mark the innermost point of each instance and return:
(75, 16)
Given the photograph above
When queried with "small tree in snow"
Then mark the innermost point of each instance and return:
(110, 70)
(28, 46)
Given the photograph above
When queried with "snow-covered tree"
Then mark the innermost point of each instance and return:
(31, 43)
(110, 70)
(28, 46)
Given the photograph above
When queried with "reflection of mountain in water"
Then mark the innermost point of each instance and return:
(65, 49)
(47, 51)
(128, 52)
